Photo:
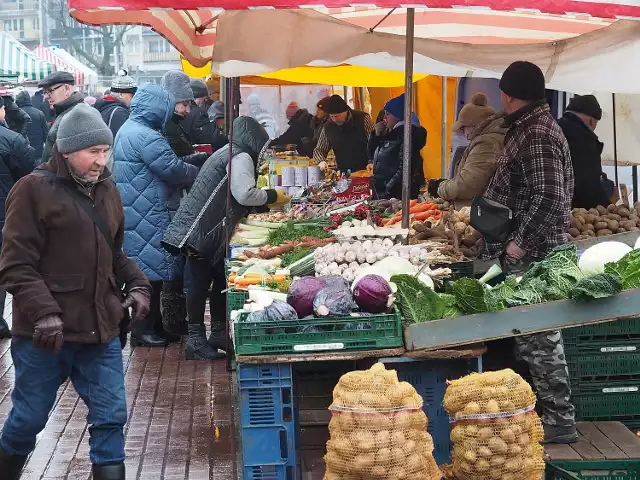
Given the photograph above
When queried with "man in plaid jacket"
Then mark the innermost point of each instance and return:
(535, 180)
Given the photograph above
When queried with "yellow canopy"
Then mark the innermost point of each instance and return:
(347, 75)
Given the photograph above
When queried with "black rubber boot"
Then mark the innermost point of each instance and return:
(197, 347)
(144, 335)
(109, 472)
(218, 336)
(11, 465)
(559, 434)
(173, 305)
(166, 335)
(5, 331)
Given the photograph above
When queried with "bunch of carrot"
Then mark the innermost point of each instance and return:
(243, 282)
(417, 212)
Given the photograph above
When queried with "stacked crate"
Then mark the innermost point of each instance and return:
(604, 366)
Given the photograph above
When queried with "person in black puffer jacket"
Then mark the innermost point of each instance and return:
(39, 128)
(16, 118)
(299, 128)
(16, 160)
(44, 106)
(200, 229)
(578, 125)
(386, 150)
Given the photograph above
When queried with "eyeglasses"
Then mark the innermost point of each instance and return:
(49, 91)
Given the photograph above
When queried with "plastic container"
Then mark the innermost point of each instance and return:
(609, 366)
(593, 470)
(268, 423)
(605, 402)
(429, 378)
(618, 332)
(318, 334)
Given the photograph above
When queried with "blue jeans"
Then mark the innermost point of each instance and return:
(97, 375)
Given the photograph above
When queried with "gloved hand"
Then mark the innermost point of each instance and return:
(279, 199)
(48, 333)
(434, 184)
(138, 301)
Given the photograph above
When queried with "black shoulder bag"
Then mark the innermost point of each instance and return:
(492, 219)
(87, 205)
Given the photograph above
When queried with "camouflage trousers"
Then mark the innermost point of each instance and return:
(544, 354)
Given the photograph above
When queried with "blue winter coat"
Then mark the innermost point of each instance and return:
(149, 176)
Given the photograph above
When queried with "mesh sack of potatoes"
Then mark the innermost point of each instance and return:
(496, 433)
(378, 430)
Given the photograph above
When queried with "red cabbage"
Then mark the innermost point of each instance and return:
(371, 293)
(302, 292)
(335, 300)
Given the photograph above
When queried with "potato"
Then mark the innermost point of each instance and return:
(414, 462)
(574, 232)
(604, 232)
(613, 225)
(485, 452)
(623, 211)
(383, 456)
(497, 445)
(601, 225)
(601, 210)
(634, 217)
(485, 433)
(470, 456)
(508, 435)
(634, 229)
(497, 461)
(615, 216)
(515, 449)
(409, 447)
(581, 211)
(472, 408)
(364, 462)
(483, 466)
(611, 208)
(594, 211)
(469, 241)
(378, 471)
(579, 221)
(493, 406)
(590, 218)
(459, 228)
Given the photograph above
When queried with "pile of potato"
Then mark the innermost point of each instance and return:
(496, 434)
(469, 239)
(378, 430)
(601, 221)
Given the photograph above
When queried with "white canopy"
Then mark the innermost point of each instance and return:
(248, 43)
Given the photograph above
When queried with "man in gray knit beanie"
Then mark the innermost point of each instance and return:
(84, 140)
(62, 260)
(178, 84)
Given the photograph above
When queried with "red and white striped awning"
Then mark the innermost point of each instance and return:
(193, 32)
(50, 56)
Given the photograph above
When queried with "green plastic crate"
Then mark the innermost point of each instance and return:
(606, 402)
(236, 299)
(594, 470)
(590, 338)
(610, 367)
(323, 334)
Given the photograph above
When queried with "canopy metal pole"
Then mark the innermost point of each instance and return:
(615, 141)
(408, 103)
(443, 151)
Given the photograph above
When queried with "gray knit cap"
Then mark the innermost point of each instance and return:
(82, 127)
(199, 88)
(216, 111)
(178, 84)
(124, 84)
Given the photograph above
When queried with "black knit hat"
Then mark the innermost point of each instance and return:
(323, 104)
(586, 104)
(336, 105)
(524, 81)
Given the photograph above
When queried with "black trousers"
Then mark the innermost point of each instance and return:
(206, 281)
(153, 323)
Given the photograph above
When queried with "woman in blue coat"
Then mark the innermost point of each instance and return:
(149, 176)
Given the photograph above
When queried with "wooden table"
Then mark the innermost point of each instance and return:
(598, 441)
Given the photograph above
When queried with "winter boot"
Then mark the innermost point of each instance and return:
(173, 305)
(218, 336)
(109, 472)
(558, 434)
(197, 347)
(164, 334)
(144, 335)
(11, 465)
(5, 331)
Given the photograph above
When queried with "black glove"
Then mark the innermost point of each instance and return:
(434, 184)
(48, 333)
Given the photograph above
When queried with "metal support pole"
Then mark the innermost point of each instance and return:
(615, 140)
(634, 176)
(408, 96)
(443, 151)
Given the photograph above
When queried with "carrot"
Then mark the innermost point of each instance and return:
(232, 277)
(422, 207)
(422, 216)
(413, 203)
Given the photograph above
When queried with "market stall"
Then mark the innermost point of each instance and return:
(18, 63)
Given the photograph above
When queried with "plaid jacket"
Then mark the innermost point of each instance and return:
(535, 179)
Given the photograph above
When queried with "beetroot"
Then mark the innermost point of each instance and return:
(302, 292)
(372, 293)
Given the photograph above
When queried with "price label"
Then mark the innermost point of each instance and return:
(618, 349)
(315, 347)
(620, 390)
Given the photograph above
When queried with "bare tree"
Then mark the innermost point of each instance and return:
(110, 36)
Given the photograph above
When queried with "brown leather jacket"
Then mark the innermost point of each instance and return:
(55, 260)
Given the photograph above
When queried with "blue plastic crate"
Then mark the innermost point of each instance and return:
(429, 378)
(268, 424)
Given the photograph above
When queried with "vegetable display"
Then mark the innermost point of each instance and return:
(378, 429)
(496, 431)
(302, 292)
(373, 294)
(594, 258)
(333, 300)
(603, 221)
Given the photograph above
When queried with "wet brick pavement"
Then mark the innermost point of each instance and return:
(180, 420)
